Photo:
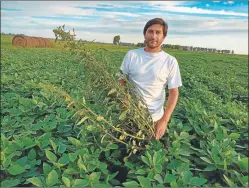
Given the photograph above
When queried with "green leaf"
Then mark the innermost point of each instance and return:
(186, 176)
(225, 164)
(243, 164)
(229, 182)
(169, 178)
(72, 157)
(22, 161)
(54, 146)
(10, 183)
(35, 181)
(64, 159)
(156, 158)
(66, 181)
(52, 157)
(62, 148)
(206, 160)
(159, 178)
(197, 181)
(112, 146)
(16, 169)
(174, 164)
(129, 165)
(210, 168)
(31, 154)
(28, 142)
(184, 152)
(234, 136)
(158, 168)
(145, 160)
(144, 182)
(81, 165)
(4, 140)
(74, 141)
(46, 168)
(123, 115)
(81, 183)
(173, 184)
(141, 171)
(52, 178)
(94, 177)
(131, 184)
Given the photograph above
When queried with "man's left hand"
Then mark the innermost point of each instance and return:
(160, 128)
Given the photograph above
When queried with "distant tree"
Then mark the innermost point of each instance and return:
(116, 40)
(177, 47)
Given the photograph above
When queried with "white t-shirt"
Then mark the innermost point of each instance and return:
(150, 73)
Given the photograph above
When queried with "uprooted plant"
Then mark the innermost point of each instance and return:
(132, 125)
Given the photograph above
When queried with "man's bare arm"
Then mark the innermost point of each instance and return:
(162, 123)
(171, 104)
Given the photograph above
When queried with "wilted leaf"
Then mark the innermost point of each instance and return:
(82, 120)
(123, 115)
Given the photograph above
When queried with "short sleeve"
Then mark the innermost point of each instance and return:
(174, 79)
(125, 64)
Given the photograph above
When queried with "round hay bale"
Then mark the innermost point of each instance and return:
(47, 42)
(41, 42)
(29, 42)
(19, 40)
(35, 42)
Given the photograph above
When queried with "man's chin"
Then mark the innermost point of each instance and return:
(152, 46)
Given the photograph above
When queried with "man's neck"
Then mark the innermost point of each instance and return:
(155, 50)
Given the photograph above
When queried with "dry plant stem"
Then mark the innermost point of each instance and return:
(96, 115)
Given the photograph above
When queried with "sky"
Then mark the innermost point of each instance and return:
(209, 24)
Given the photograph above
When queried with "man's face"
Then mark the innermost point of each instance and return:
(154, 36)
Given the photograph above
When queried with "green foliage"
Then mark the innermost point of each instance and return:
(42, 145)
(116, 39)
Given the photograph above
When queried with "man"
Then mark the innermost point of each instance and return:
(150, 70)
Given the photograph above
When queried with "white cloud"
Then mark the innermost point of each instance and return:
(208, 31)
(195, 10)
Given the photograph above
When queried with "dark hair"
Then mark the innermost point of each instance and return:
(157, 21)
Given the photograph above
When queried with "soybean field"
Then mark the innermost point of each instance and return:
(56, 130)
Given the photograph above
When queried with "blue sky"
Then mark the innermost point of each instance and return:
(214, 24)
